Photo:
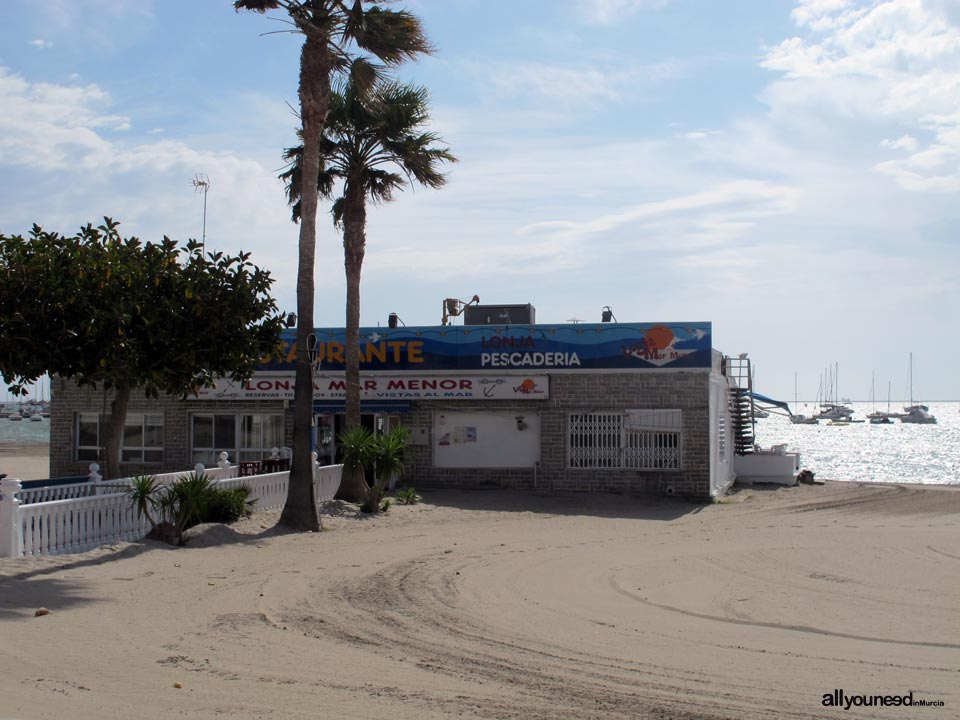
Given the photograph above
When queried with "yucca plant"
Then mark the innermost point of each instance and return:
(359, 453)
(191, 497)
(389, 461)
(144, 495)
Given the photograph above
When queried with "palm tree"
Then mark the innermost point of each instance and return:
(331, 28)
(373, 144)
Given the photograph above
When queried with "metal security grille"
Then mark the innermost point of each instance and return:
(635, 440)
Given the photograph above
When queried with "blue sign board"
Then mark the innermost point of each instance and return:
(501, 348)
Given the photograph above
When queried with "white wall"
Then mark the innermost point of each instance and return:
(486, 439)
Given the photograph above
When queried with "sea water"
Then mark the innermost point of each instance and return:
(861, 452)
(24, 432)
(895, 453)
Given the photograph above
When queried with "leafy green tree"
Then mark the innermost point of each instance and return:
(120, 314)
(331, 29)
(373, 144)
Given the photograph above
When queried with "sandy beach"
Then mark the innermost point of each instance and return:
(25, 462)
(506, 605)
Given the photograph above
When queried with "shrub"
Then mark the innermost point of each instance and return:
(191, 497)
(191, 500)
(228, 505)
(407, 496)
(389, 455)
(144, 497)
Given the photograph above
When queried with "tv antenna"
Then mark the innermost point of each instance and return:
(201, 183)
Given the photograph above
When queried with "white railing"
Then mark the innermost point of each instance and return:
(99, 513)
(326, 480)
(269, 491)
(96, 485)
(68, 526)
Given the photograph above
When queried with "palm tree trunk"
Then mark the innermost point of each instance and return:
(300, 510)
(354, 245)
(354, 487)
(113, 440)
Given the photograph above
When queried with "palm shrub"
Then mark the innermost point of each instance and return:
(191, 496)
(359, 446)
(144, 495)
(389, 461)
(192, 499)
(407, 496)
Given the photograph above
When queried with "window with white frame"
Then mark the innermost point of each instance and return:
(143, 437)
(242, 437)
(632, 439)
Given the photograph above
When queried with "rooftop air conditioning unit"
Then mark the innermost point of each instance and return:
(500, 315)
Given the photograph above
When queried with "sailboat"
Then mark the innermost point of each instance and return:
(879, 417)
(836, 411)
(797, 418)
(916, 414)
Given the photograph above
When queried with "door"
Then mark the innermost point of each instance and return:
(327, 429)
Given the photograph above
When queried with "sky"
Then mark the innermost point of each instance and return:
(788, 170)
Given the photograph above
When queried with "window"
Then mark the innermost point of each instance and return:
(635, 440)
(88, 437)
(243, 437)
(142, 438)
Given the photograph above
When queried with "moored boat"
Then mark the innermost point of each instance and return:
(916, 414)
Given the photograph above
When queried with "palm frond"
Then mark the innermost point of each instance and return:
(373, 140)
(392, 36)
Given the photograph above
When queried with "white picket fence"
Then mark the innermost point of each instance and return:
(79, 517)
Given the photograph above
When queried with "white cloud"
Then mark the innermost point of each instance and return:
(557, 83)
(906, 142)
(699, 134)
(605, 12)
(41, 44)
(523, 87)
(881, 61)
(709, 217)
(68, 133)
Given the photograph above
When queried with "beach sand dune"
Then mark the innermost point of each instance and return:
(499, 604)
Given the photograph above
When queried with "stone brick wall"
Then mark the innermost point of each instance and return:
(68, 399)
(571, 393)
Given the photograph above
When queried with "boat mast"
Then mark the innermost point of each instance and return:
(911, 378)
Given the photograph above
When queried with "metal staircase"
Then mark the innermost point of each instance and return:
(743, 422)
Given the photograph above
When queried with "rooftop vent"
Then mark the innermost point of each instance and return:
(500, 315)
